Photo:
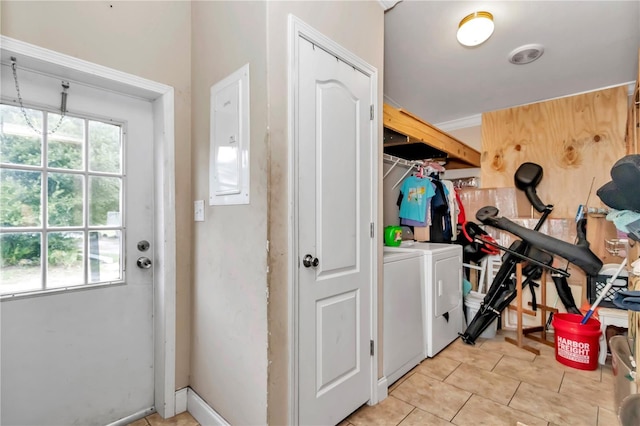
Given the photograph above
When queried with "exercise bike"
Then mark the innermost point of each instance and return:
(535, 251)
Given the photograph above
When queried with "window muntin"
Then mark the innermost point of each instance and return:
(61, 202)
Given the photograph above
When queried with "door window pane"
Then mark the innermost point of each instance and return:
(19, 143)
(65, 265)
(105, 147)
(104, 201)
(20, 194)
(64, 199)
(66, 145)
(104, 256)
(20, 265)
(61, 217)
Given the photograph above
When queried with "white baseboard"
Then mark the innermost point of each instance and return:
(181, 400)
(383, 386)
(202, 412)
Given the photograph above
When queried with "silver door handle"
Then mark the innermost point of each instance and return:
(309, 261)
(143, 263)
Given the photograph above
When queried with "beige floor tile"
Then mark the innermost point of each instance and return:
(402, 379)
(554, 407)
(464, 368)
(479, 411)
(581, 387)
(553, 364)
(606, 417)
(606, 374)
(438, 367)
(491, 385)
(529, 372)
(545, 350)
(422, 418)
(503, 347)
(471, 354)
(344, 423)
(182, 419)
(141, 422)
(432, 396)
(390, 411)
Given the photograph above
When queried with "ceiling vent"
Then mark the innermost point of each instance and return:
(526, 54)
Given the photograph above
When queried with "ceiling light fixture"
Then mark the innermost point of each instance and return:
(475, 28)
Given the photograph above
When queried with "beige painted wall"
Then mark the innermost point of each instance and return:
(183, 44)
(151, 40)
(471, 136)
(229, 340)
(359, 27)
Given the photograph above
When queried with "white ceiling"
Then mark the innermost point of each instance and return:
(588, 45)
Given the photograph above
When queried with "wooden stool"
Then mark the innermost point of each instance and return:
(542, 328)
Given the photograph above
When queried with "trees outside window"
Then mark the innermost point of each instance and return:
(61, 201)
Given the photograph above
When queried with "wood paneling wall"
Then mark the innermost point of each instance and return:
(575, 139)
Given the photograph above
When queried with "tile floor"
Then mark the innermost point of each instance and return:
(182, 419)
(492, 383)
(495, 383)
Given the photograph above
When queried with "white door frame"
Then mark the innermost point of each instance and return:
(298, 28)
(162, 98)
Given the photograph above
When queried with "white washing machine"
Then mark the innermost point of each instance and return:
(442, 289)
(403, 325)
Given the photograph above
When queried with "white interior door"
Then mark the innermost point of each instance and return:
(334, 201)
(84, 355)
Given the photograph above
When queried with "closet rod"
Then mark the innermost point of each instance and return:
(410, 164)
(398, 160)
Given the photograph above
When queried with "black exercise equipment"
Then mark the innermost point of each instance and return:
(536, 249)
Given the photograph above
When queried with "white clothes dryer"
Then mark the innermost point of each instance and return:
(442, 288)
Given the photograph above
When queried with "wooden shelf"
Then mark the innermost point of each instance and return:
(423, 140)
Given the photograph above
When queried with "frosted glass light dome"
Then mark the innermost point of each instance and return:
(475, 28)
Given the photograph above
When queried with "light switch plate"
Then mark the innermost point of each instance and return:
(198, 210)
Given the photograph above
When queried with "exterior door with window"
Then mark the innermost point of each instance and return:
(76, 218)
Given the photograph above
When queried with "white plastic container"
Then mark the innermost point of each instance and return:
(472, 303)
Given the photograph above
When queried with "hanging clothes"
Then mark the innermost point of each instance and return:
(453, 206)
(416, 194)
(441, 231)
(462, 217)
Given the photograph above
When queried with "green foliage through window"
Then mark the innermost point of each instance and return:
(52, 198)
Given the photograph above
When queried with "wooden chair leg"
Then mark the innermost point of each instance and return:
(544, 312)
(523, 332)
(519, 311)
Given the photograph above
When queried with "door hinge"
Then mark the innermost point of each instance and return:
(372, 229)
(371, 109)
(371, 347)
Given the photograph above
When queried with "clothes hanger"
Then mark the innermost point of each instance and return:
(404, 176)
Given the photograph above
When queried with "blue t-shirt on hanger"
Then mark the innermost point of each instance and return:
(416, 194)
